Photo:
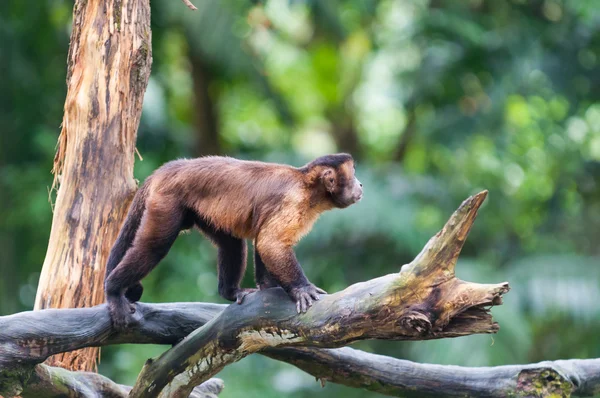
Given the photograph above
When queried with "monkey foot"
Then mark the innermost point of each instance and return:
(241, 293)
(121, 313)
(304, 296)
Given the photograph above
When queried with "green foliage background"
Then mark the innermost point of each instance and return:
(436, 99)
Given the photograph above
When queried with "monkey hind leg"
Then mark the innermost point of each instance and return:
(134, 292)
(231, 261)
(232, 266)
(158, 230)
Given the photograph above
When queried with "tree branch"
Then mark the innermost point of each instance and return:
(396, 377)
(442, 307)
(28, 338)
(424, 301)
(53, 382)
(169, 323)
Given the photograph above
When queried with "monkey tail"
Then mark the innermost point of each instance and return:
(128, 230)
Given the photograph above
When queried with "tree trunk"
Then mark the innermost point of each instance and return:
(205, 114)
(108, 69)
(407, 135)
(344, 132)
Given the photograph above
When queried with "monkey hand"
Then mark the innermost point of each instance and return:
(304, 296)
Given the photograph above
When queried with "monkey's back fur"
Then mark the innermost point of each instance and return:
(235, 195)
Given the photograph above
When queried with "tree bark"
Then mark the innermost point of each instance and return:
(108, 69)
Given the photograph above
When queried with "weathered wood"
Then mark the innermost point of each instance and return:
(29, 337)
(424, 301)
(108, 69)
(23, 335)
(389, 307)
(401, 378)
(53, 382)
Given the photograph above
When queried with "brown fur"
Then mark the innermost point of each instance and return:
(231, 200)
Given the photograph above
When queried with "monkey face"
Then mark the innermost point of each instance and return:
(350, 192)
(345, 189)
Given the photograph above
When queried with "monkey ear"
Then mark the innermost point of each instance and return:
(328, 178)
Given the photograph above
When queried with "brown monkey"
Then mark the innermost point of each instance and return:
(229, 200)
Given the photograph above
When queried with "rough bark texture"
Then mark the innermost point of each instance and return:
(108, 69)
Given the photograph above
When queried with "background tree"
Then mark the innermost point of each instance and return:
(93, 166)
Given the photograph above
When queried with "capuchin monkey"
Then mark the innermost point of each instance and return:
(229, 200)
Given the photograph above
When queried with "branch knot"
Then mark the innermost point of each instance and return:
(415, 323)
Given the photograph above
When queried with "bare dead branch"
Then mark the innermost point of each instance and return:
(401, 378)
(424, 301)
(169, 323)
(28, 338)
(53, 382)
(442, 307)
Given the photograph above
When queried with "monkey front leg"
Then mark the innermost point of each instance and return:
(261, 276)
(283, 266)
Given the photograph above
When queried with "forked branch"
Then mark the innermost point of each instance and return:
(423, 301)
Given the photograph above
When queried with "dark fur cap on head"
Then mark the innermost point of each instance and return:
(335, 161)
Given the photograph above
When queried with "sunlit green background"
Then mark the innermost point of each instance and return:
(435, 99)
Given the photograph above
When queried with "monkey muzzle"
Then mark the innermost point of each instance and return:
(357, 192)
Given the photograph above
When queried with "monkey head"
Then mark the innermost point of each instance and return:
(337, 176)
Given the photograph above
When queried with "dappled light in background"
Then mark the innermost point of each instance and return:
(436, 101)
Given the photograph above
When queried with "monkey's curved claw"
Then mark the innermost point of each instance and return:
(320, 291)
